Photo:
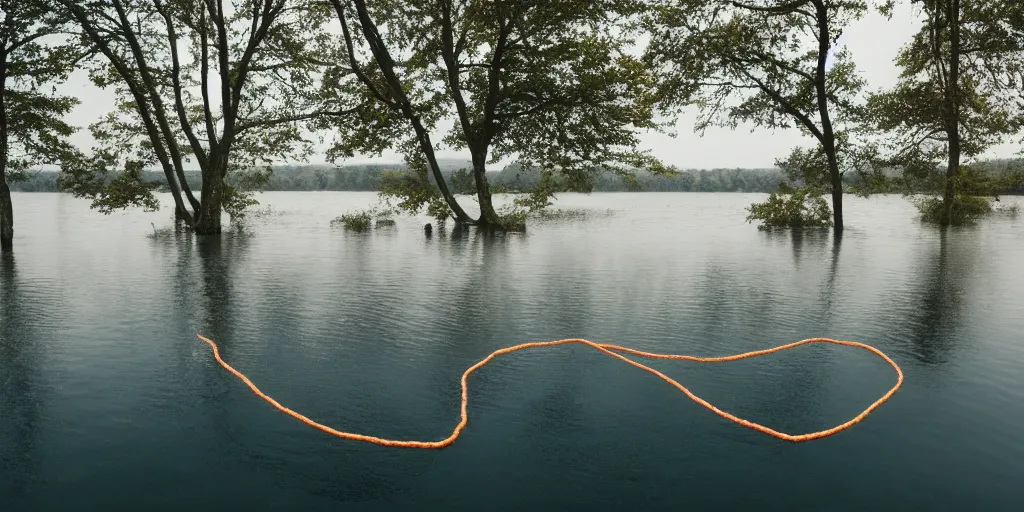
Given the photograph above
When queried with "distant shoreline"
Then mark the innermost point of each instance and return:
(368, 178)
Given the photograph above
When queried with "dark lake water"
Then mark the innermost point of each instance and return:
(109, 402)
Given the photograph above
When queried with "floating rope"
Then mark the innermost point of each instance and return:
(611, 350)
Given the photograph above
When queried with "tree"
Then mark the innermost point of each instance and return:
(200, 82)
(32, 131)
(548, 84)
(765, 62)
(959, 93)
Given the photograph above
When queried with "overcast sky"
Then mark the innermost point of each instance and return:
(873, 42)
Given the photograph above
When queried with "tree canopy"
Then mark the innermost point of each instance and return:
(33, 132)
(771, 63)
(200, 81)
(961, 91)
(551, 84)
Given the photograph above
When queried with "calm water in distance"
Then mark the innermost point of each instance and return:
(109, 402)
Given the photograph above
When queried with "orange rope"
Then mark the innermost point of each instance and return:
(607, 349)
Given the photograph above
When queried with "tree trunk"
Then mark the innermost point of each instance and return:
(212, 198)
(6, 216)
(6, 208)
(828, 138)
(183, 218)
(488, 217)
(952, 171)
(428, 151)
(837, 189)
(210, 210)
(952, 112)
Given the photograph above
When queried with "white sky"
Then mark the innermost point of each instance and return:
(873, 42)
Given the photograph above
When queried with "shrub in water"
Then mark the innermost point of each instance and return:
(791, 207)
(965, 209)
(358, 221)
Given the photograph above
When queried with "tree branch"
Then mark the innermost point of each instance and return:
(204, 67)
(786, 105)
(19, 43)
(768, 59)
(217, 17)
(494, 80)
(244, 126)
(154, 96)
(138, 95)
(179, 104)
(197, 149)
(265, 19)
(790, 8)
(363, 77)
(450, 58)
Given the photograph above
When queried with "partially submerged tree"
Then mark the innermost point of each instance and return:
(202, 82)
(33, 57)
(549, 84)
(791, 208)
(771, 63)
(960, 92)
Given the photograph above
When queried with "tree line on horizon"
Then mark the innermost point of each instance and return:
(563, 88)
(369, 178)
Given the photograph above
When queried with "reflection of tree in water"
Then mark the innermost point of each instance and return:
(735, 304)
(829, 290)
(218, 297)
(492, 308)
(941, 280)
(202, 286)
(204, 279)
(726, 300)
(217, 255)
(567, 310)
(21, 366)
(482, 261)
(809, 251)
(19, 405)
(802, 242)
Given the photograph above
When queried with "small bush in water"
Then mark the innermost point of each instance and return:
(965, 209)
(790, 207)
(358, 221)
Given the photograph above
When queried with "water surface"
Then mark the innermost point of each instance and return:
(108, 401)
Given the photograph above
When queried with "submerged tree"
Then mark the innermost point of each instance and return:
(33, 56)
(550, 84)
(199, 81)
(768, 62)
(959, 93)
(791, 208)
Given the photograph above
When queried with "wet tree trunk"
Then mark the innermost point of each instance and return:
(488, 217)
(828, 138)
(6, 216)
(6, 208)
(212, 198)
(428, 151)
(953, 169)
(210, 208)
(837, 188)
(952, 111)
(183, 218)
